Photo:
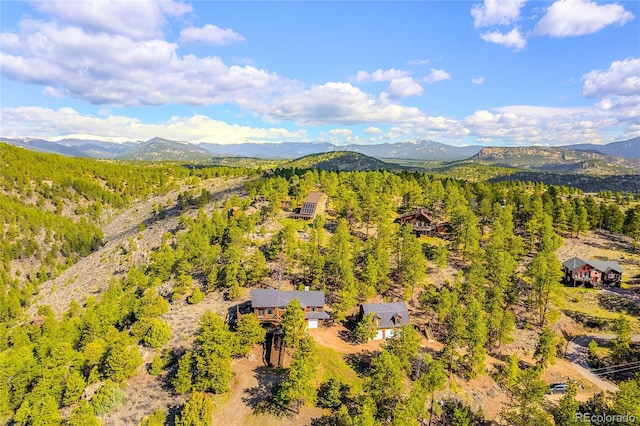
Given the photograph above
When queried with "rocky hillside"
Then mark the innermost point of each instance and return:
(553, 159)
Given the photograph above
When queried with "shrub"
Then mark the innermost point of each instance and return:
(157, 335)
(157, 366)
(196, 297)
(108, 397)
(197, 411)
(83, 415)
(155, 419)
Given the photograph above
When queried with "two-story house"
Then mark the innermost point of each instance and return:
(388, 316)
(315, 203)
(592, 272)
(423, 223)
(269, 305)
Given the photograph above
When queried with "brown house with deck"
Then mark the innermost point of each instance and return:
(592, 272)
(422, 222)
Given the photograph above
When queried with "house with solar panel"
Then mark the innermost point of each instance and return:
(389, 317)
(592, 272)
(314, 204)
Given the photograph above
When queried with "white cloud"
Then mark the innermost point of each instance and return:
(379, 75)
(566, 18)
(140, 19)
(116, 70)
(496, 12)
(343, 133)
(618, 89)
(373, 131)
(419, 62)
(437, 75)
(66, 122)
(210, 34)
(335, 103)
(9, 42)
(621, 79)
(541, 111)
(403, 88)
(478, 80)
(513, 39)
(518, 124)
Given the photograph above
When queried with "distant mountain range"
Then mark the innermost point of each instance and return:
(625, 149)
(158, 149)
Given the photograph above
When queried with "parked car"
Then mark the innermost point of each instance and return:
(557, 388)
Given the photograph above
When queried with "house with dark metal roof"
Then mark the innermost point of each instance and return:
(592, 272)
(388, 317)
(315, 203)
(423, 223)
(269, 305)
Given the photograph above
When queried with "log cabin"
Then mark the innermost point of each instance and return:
(423, 223)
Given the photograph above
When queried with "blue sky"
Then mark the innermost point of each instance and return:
(495, 72)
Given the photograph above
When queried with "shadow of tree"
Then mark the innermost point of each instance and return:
(261, 397)
(360, 362)
(589, 321)
(615, 303)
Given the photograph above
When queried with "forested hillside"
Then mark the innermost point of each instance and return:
(52, 209)
(161, 345)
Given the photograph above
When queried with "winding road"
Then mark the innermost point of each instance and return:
(577, 355)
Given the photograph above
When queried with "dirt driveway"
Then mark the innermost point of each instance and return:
(334, 337)
(253, 385)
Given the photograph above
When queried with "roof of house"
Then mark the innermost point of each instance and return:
(271, 298)
(601, 265)
(606, 265)
(574, 263)
(314, 197)
(425, 214)
(316, 315)
(386, 312)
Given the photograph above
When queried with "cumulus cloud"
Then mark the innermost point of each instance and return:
(66, 122)
(9, 41)
(541, 111)
(437, 75)
(403, 88)
(117, 70)
(140, 19)
(618, 89)
(478, 80)
(496, 12)
(336, 103)
(210, 34)
(513, 39)
(379, 75)
(621, 79)
(341, 132)
(373, 131)
(566, 18)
